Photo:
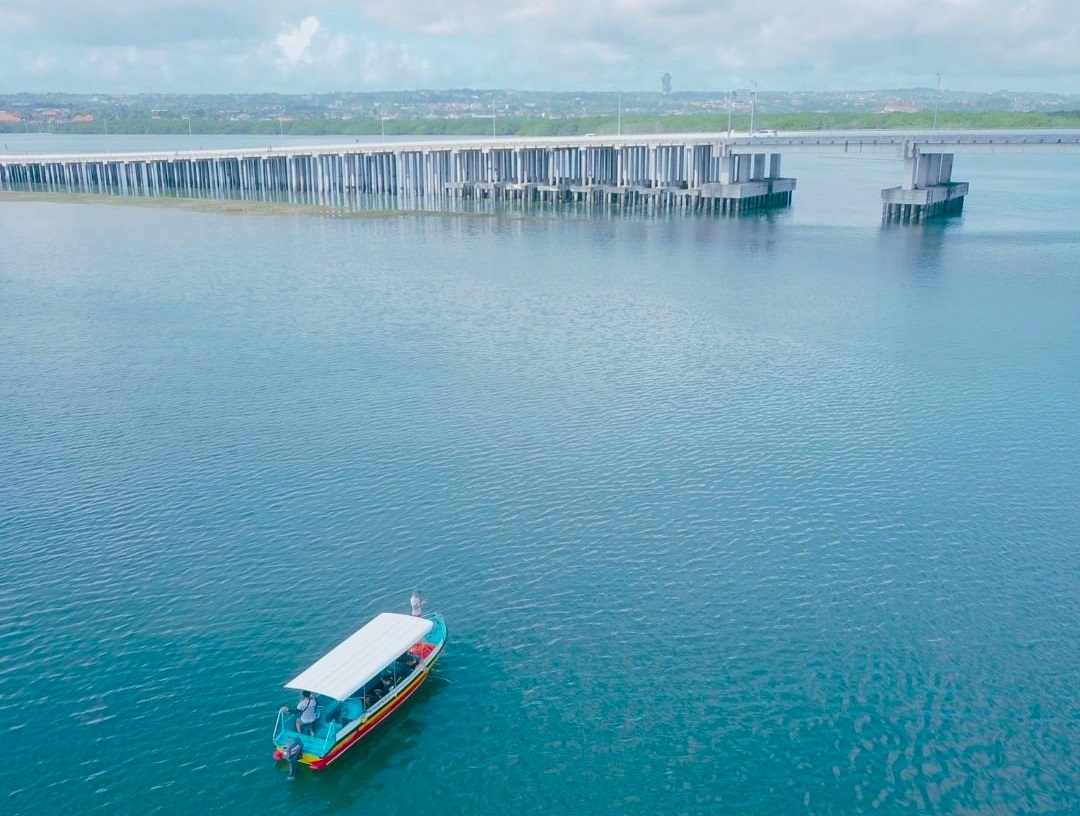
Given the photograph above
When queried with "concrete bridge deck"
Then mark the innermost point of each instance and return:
(730, 173)
(872, 142)
(901, 143)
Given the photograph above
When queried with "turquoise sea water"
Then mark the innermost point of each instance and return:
(766, 515)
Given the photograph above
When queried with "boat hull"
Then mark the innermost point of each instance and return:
(366, 726)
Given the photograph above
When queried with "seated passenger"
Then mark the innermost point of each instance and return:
(385, 685)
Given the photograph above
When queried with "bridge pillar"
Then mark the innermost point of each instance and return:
(927, 191)
(748, 181)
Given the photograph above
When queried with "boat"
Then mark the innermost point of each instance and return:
(358, 684)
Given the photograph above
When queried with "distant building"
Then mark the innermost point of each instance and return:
(9, 118)
(83, 117)
(665, 83)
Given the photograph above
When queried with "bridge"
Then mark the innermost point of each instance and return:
(727, 173)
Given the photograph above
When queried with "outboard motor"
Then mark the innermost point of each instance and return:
(291, 752)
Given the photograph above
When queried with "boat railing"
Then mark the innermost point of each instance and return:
(332, 730)
(279, 724)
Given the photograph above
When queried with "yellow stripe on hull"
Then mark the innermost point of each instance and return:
(317, 763)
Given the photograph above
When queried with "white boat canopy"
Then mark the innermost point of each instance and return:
(361, 656)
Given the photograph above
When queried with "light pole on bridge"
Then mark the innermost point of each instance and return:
(753, 105)
(937, 98)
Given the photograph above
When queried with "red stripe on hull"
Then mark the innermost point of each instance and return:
(367, 727)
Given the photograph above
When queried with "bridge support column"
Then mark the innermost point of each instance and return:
(928, 190)
(748, 181)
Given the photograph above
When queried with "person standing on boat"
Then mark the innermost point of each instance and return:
(305, 724)
(417, 603)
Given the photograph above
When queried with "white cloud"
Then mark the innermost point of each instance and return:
(295, 42)
(313, 45)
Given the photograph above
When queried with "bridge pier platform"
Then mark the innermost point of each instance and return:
(928, 190)
(553, 192)
(747, 181)
(743, 196)
(915, 206)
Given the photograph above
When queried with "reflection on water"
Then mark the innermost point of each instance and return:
(920, 249)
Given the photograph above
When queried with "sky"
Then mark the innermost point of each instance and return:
(319, 46)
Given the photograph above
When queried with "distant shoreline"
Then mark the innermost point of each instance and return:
(629, 122)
